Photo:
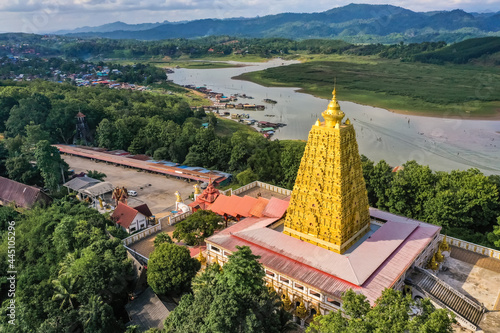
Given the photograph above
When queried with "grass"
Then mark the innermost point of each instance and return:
(205, 62)
(226, 127)
(455, 90)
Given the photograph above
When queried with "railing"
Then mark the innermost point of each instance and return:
(139, 257)
(141, 234)
(177, 218)
(461, 320)
(450, 288)
(266, 186)
(472, 247)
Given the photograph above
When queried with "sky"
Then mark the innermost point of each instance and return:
(41, 16)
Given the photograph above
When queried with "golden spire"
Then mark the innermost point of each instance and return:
(333, 115)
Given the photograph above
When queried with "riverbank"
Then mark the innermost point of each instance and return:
(449, 91)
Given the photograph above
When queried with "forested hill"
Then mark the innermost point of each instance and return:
(358, 23)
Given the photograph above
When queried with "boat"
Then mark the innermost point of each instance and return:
(270, 101)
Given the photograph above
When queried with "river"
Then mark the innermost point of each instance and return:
(443, 144)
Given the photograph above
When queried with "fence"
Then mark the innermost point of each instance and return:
(141, 234)
(257, 183)
(472, 247)
(171, 220)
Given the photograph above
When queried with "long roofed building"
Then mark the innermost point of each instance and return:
(330, 239)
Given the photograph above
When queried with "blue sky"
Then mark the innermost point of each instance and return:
(38, 16)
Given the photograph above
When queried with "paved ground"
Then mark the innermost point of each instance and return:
(253, 192)
(155, 190)
(475, 259)
(478, 283)
(147, 311)
(145, 245)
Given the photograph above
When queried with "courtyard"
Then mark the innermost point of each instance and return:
(477, 277)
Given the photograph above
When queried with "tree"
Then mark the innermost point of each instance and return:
(97, 316)
(234, 299)
(410, 189)
(65, 290)
(380, 183)
(198, 226)
(171, 269)
(96, 174)
(161, 238)
(291, 157)
(21, 170)
(392, 312)
(464, 199)
(246, 177)
(51, 165)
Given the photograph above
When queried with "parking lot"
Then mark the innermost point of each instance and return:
(155, 190)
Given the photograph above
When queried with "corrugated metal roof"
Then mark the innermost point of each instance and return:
(276, 207)
(22, 195)
(79, 183)
(373, 266)
(98, 189)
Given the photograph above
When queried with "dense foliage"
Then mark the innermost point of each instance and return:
(59, 69)
(71, 275)
(171, 269)
(465, 203)
(392, 312)
(229, 300)
(198, 226)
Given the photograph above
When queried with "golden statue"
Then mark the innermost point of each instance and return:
(444, 246)
(178, 196)
(201, 258)
(433, 264)
(287, 303)
(197, 189)
(301, 311)
(439, 256)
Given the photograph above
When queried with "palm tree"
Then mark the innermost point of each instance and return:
(91, 312)
(65, 290)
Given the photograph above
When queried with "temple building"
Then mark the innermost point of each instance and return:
(329, 240)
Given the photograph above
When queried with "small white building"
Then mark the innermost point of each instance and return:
(131, 219)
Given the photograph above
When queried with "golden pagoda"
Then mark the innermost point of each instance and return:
(329, 203)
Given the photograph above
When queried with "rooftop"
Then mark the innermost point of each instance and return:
(21, 194)
(373, 265)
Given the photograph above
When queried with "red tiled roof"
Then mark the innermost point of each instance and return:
(245, 204)
(22, 195)
(144, 210)
(276, 207)
(220, 204)
(259, 207)
(124, 215)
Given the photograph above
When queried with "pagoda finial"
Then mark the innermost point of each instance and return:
(333, 115)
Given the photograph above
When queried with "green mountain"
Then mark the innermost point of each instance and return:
(358, 23)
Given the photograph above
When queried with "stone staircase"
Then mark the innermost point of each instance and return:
(468, 313)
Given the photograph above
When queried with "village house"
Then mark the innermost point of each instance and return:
(131, 219)
(21, 195)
